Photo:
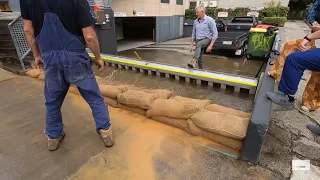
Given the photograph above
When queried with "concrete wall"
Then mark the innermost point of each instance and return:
(148, 7)
(119, 28)
(168, 27)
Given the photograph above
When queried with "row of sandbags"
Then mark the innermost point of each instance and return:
(198, 117)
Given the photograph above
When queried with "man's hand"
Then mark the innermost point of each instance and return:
(191, 47)
(315, 23)
(39, 63)
(209, 48)
(304, 45)
(100, 64)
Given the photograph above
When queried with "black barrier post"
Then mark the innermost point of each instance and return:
(260, 118)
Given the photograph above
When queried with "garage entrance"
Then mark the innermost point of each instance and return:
(134, 32)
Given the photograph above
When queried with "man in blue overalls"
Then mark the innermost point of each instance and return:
(57, 32)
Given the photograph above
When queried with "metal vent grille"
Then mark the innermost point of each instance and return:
(19, 39)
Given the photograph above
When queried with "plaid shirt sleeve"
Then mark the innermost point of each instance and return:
(312, 12)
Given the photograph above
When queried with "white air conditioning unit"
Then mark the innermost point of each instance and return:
(212, 4)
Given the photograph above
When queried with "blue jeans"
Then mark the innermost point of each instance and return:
(294, 67)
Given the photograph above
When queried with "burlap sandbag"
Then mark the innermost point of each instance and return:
(171, 108)
(178, 123)
(42, 77)
(223, 124)
(111, 91)
(111, 102)
(162, 93)
(227, 141)
(74, 90)
(137, 99)
(132, 109)
(131, 87)
(196, 102)
(35, 73)
(226, 110)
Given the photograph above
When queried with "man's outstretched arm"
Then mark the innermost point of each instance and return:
(29, 33)
(91, 39)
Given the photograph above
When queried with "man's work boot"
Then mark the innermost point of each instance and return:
(53, 144)
(107, 137)
(192, 64)
(280, 99)
(314, 129)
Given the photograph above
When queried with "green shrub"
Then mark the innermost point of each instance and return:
(212, 12)
(275, 20)
(190, 14)
(279, 11)
(241, 11)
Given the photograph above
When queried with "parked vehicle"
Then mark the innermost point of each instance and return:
(243, 23)
(231, 39)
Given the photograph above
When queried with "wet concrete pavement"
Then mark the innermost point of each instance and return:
(144, 149)
(23, 153)
(225, 63)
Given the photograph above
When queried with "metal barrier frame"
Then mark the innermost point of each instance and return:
(260, 117)
(19, 43)
(223, 79)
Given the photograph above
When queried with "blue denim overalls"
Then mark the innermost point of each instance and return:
(66, 62)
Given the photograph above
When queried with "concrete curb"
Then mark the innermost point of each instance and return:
(260, 118)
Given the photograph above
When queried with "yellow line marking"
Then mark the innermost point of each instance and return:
(135, 52)
(178, 71)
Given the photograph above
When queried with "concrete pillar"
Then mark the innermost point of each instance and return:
(107, 3)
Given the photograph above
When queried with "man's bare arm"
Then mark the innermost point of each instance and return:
(93, 44)
(92, 41)
(314, 36)
(29, 33)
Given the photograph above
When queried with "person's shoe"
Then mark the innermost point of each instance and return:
(107, 137)
(305, 109)
(53, 144)
(314, 129)
(192, 64)
(280, 99)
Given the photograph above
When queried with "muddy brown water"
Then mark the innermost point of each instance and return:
(230, 64)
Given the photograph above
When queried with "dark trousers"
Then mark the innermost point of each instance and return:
(200, 48)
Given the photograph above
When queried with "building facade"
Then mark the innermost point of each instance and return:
(168, 16)
(252, 4)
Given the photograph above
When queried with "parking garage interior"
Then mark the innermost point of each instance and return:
(134, 32)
